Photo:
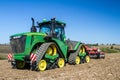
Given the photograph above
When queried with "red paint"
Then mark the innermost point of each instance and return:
(9, 56)
(33, 57)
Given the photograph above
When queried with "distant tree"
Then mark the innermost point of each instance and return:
(102, 44)
(112, 47)
(97, 44)
(113, 44)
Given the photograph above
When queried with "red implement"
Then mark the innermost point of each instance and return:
(94, 52)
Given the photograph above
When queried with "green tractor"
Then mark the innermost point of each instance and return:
(45, 47)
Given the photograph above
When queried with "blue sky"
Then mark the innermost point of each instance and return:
(89, 21)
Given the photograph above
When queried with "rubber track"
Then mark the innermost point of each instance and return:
(72, 57)
(41, 51)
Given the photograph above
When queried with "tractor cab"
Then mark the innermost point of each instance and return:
(52, 28)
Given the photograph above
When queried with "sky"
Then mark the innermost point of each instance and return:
(89, 21)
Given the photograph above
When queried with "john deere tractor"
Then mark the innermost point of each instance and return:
(46, 47)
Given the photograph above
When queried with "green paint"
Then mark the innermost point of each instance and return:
(82, 54)
(31, 40)
(63, 47)
(51, 57)
(77, 45)
(30, 33)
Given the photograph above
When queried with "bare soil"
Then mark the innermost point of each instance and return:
(97, 69)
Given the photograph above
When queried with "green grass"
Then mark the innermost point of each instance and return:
(5, 48)
(3, 56)
(109, 50)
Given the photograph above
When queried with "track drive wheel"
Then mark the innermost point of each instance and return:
(20, 64)
(42, 65)
(87, 59)
(82, 50)
(61, 62)
(52, 50)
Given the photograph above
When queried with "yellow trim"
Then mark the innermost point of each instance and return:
(38, 34)
(87, 58)
(61, 62)
(42, 65)
(77, 60)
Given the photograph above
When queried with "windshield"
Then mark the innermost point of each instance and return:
(55, 30)
(18, 44)
(45, 29)
(59, 32)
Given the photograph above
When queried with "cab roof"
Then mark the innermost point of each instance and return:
(49, 22)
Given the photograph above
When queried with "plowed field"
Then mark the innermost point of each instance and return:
(97, 69)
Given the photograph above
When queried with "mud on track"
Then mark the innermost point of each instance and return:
(97, 69)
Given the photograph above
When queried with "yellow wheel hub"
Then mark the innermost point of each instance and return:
(77, 61)
(61, 62)
(20, 64)
(52, 50)
(87, 59)
(42, 65)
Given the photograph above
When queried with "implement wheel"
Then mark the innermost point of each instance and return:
(61, 62)
(20, 64)
(87, 59)
(77, 60)
(42, 65)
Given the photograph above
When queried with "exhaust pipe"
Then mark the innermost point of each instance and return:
(33, 28)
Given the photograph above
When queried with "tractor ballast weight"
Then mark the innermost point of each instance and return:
(47, 48)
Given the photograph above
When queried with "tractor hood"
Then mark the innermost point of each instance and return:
(29, 34)
(22, 43)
